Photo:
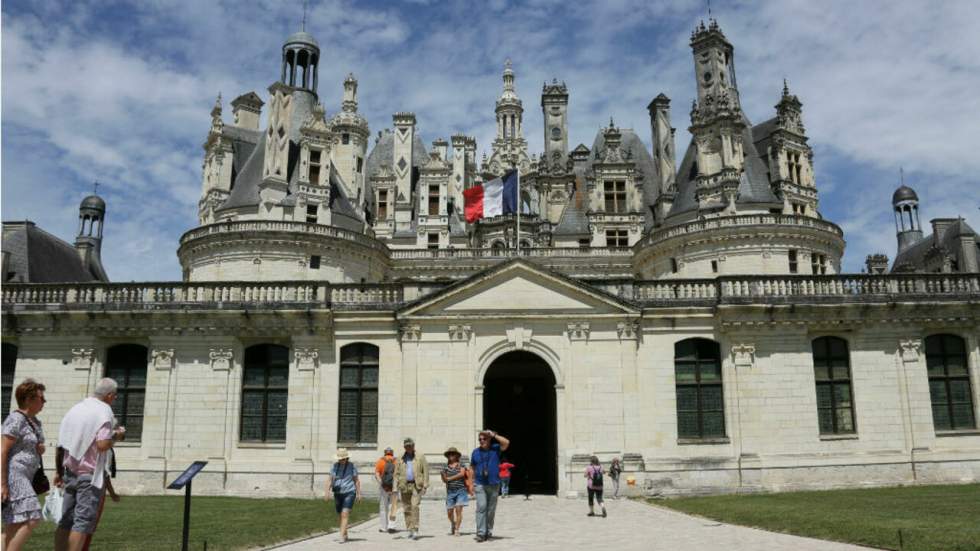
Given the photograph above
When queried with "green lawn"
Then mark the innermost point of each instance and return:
(155, 523)
(945, 518)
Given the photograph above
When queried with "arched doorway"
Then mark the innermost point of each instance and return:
(519, 402)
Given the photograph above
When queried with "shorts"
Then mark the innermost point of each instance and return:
(457, 498)
(344, 502)
(80, 507)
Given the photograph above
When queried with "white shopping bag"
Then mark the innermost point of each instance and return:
(52, 506)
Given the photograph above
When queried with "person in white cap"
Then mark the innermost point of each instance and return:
(344, 488)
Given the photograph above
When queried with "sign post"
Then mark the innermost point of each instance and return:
(184, 481)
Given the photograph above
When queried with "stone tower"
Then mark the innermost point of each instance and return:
(510, 147)
(717, 122)
(662, 136)
(905, 203)
(351, 133)
(554, 111)
(791, 158)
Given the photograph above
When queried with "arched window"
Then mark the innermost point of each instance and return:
(358, 416)
(949, 383)
(497, 247)
(9, 358)
(126, 363)
(832, 371)
(700, 401)
(265, 388)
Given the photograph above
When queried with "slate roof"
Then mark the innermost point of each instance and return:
(914, 258)
(383, 153)
(36, 256)
(574, 220)
(753, 188)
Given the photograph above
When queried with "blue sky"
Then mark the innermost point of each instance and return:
(120, 92)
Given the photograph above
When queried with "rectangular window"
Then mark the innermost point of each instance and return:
(360, 165)
(265, 393)
(126, 363)
(617, 238)
(314, 167)
(949, 383)
(584, 243)
(433, 241)
(315, 262)
(311, 213)
(714, 266)
(345, 138)
(383, 204)
(433, 200)
(700, 400)
(832, 372)
(673, 266)
(818, 263)
(793, 265)
(615, 196)
(358, 415)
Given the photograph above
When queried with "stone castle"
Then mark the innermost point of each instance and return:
(687, 315)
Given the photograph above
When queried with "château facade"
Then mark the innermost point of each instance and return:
(686, 314)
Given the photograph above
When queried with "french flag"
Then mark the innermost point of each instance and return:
(496, 197)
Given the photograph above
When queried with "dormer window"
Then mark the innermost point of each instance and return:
(345, 138)
(315, 167)
(433, 200)
(615, 197)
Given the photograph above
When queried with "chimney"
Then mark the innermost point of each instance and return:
(939, 227)
(441, 147)
(247, 108)
(876, 264)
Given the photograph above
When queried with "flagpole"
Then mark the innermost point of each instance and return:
(518, 212)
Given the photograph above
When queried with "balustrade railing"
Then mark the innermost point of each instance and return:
(723, 290)
(238, 226)
(728, 222)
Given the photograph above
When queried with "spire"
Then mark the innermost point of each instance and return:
(350, 94)
(785, 88)
(217, 125)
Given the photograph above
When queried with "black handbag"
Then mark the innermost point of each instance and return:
(40, 482)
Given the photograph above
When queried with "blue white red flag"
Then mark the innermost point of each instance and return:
(496, 197)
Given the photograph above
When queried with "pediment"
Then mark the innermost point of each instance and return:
(516, 288)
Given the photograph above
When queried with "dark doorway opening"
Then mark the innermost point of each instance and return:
(519, 403)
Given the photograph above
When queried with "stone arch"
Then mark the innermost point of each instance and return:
(495, 351)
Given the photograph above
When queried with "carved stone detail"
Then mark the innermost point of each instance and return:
(519, 336)
(162, 358)
(910, 349)
(221, 359)
(743, 355)
(307, 359)
(82, 358)
(627, 330)
(458, 332)
(410, 332)
(579, 331)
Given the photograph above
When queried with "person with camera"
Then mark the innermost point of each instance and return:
(86, 434)
(23, 446)
(485, 469)
(344, 488)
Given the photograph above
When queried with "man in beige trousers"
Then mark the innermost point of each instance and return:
(412, 480)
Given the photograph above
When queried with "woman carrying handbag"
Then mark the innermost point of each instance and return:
(24, 479)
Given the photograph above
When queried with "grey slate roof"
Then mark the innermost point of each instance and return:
(754, 186)
(574, 220)
(383, 153)
(36, 256)
(914, 257)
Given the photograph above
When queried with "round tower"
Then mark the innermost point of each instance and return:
(300, 57)
(351, 133)
(905, 204)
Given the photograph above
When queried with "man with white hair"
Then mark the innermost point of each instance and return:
(86, 436)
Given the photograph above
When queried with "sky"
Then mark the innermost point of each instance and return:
(120, 92)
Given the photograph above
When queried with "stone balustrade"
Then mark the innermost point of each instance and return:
(318, 294)
(265, 226)
(742, 220)
(544, 252)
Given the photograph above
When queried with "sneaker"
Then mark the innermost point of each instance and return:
(416, 537)
(411, 535)
(591, 514)
(480, 539)
(603, 512)
(392, 530)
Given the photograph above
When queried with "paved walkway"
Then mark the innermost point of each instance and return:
(548, 523)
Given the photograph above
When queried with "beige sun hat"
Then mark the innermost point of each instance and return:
(451, 451)
(341, 454)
